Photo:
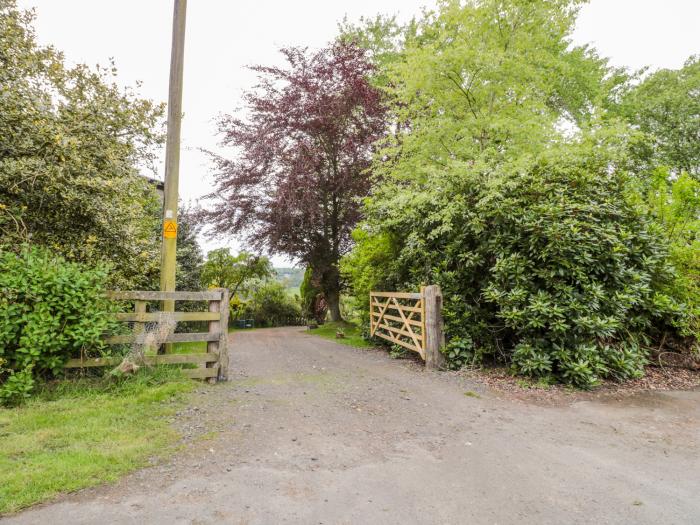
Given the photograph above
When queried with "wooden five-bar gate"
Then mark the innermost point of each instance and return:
(212, 364)
(412, 320)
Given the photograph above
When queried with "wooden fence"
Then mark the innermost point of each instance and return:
(412, 320)
(213, 364)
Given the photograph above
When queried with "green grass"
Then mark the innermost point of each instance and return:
(352, 333)
(201, 346)
(190, 348)
(80, 433)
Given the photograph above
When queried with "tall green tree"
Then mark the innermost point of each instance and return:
(71, 146)
(235, 272)
(665, 109)
(505, 183)
(190, 259)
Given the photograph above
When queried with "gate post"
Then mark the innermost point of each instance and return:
(434, 332)
(223, 341)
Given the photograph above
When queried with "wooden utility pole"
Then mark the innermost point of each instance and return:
(172, 155)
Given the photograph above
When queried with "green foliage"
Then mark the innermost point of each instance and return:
(383, 37)
(189, 255)
(50, 310)
(270, 304)
(551, 269)
(675, 202)
(665, 109)
(575, 267)
(505, 182)
(86, 432)
(311, 295)
(480, 84)
(235, 272)
(71, 144)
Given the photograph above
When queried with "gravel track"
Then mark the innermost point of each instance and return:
(312, 432)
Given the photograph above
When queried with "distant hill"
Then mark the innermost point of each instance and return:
(291, 277)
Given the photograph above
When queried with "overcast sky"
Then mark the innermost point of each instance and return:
(224, 36)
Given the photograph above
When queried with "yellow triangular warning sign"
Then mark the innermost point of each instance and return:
(169, 229)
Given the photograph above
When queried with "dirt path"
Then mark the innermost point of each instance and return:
(312, 432)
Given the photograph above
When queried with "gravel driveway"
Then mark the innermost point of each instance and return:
(312, 432)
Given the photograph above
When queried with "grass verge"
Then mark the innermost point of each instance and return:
(80, 433)
(353, 334)
(201, 346)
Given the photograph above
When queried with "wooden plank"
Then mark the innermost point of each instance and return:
(401, 331)
(153, 317)
(397, 295)
(93, 362)
(381, 315)
(174, 359)
(172, 338)
(135, 295)
(165, 359)
(412, 322)
(399, 342)
(412, 335)
(417, 308)
(201, 373)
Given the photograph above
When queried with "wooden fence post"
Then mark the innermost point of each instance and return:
(223, 340)
(214, 347)
(371, 315)
(434, 333)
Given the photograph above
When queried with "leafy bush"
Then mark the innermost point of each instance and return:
(675, 202)
(50, 310)
(577, 273)
(313, 303)
(72, 145)
(517, 179)
(552, 269)
(271, 305)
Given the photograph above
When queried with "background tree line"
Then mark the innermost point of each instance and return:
(553, 197)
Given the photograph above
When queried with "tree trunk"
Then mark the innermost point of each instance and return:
(333, 300)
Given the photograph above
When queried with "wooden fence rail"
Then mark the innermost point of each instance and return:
(212, 364)
(412, 320)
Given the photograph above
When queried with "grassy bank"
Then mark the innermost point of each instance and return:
(82, 433)
(353, 334)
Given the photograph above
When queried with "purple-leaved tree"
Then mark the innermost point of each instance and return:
(300, 160)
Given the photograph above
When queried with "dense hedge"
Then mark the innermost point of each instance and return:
(268, 304)
(50, 310)
(553, 269)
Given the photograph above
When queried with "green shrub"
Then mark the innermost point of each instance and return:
(675, 203)
(271, 305)
(578, 273)
(553, 269)
(50, 310)
(308, 293)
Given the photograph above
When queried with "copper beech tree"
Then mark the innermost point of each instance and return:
(300, 160)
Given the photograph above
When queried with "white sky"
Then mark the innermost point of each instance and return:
(223, 36)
